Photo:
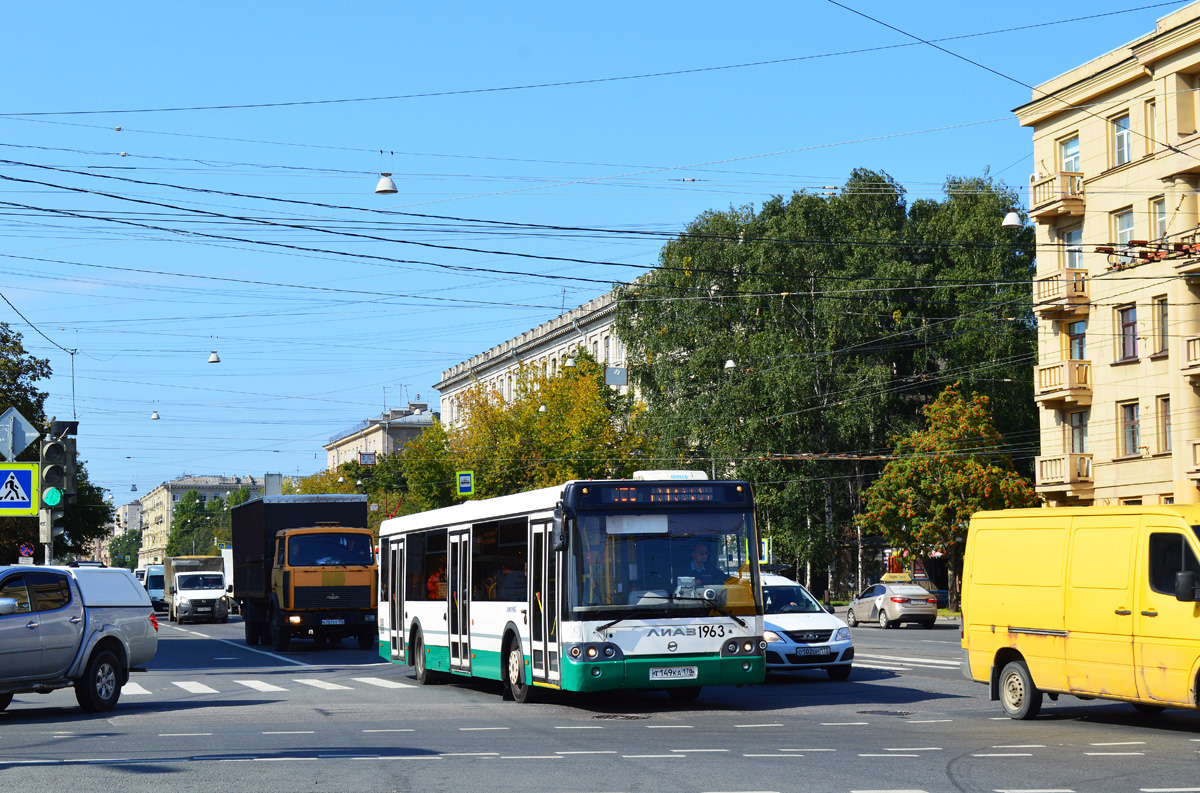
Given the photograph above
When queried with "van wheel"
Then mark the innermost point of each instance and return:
(99, 688)
(1019, 697)
(884, 622)
(851, 620)
(1148, 710)
(521, 691)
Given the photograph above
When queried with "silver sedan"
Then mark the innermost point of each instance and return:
(892, 604)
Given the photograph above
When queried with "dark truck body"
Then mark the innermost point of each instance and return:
(324, 598)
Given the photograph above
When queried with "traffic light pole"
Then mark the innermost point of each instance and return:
(46, 531)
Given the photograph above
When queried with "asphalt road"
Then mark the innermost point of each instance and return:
(215, 715)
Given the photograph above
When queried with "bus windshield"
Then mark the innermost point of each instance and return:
(667, 563)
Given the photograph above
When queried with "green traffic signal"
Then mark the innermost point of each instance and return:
(52, 496)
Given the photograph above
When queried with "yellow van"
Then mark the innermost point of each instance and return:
(1098, 602)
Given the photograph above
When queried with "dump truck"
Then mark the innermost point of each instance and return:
(304, 566)
(196, 589)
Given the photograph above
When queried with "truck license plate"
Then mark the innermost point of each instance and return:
(674, 673)
(333, 622)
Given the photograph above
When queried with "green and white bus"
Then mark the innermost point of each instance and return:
(587, 586)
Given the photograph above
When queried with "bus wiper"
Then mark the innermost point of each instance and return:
(601, 630)
(715, 606)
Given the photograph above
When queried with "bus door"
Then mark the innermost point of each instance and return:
(543, 605)
(396, 621)
(459, 593)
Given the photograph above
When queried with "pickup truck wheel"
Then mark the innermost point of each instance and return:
(4, 700)
(280, 635)
(99, 688)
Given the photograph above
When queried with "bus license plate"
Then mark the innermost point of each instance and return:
(674, 673)
(333, 622)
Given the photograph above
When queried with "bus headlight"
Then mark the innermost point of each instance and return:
(772, 637)
(591, 652)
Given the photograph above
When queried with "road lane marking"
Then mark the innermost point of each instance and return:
(259, 685)
(470, 754)
(530, 757)
(182, 734)
(676, 756)
(1119, 743)
(1171, 789)
(1020, 746)
(669, 727)
(808, 750)
(130, 689)
(288, 732)
(695, 751)
(242, 646)
(844, 723)
(1037, 790)
(315, 683)
(1114, 754)
(889, 755)
(480, 729)
(917, 749)
(1003, 754)
(379, 681)
(582, 727)
(193, 687)
(880, 666)
(592, 751)
(948, 664)
(747, 726)
(928, 721)
(788, 756)
(390, 730)
(887, 791)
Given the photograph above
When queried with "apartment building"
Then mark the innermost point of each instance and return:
(548, 348)
(1117, 290)
(383, 434)
(158, 507)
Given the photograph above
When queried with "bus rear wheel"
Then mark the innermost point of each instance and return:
(515, 673)
(425, 677)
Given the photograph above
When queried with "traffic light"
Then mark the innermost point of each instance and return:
(53, 468)
(70, 466)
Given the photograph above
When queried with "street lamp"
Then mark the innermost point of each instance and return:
(1011, 221)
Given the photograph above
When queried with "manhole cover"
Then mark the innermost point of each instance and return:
(885, 712)
(619, 717)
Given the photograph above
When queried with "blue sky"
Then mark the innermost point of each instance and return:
(309, 340)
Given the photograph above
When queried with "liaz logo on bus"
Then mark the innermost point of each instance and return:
(702, 630)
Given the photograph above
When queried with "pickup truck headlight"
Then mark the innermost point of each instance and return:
(772, 637)
(843, 635)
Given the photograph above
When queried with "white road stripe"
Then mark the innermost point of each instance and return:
(917, 749)
(480, 729)
(844, 723)
(887, 791)
(195, 688)
(288, 732)
(630, 756)
(530, 757)
(669, 727)
(133, 689)
(259, 685)
(1114, 754)
(1171, 789)
(1003, 754)
(948, 663)
(592, 751)
(1020, 746)
(880, 666)
(470, 754)
(746, 726)
(382, 730)
(788, 756)
(243, 646)
(1119, 743)
(182, 734)
(928, 721)
(315, 683)
(585, 727)
(379, 681)
(694, 751)
(1037, 790)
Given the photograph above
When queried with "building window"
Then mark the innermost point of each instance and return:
(1161, 323)
(1131, 502)
(1072, 241)
(1131, 429)
(1123, 226)
(1127, 328)
(1164, 424)
(1079, 431)
(1158, 217)
(1167, 500)
(1151, 126)
(1121, 141)
(607, 349)
(1077, 340)
(596, 350)
(553, 367)
(1068, 154)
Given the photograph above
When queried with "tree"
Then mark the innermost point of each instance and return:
(939, 477)
(192, 527)
(787, 345)
(124, 549)
(567, 426)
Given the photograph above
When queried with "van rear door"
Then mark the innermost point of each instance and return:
(1168, 632)
(1099, 606)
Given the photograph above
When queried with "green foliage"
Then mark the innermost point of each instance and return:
(384, 484)
(194, 525)
(124, 549)
(843, 317)
(941, 475)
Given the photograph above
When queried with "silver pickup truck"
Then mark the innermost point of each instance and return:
(86, 627)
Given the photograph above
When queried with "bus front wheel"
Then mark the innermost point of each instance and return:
(425, 677)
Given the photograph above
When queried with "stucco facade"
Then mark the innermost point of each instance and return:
(1117, 291)
(158, 507)
(383, 434)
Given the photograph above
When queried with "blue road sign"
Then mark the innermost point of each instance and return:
(466, 482)
(19, 489)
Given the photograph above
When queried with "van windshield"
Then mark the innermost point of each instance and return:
(154, 581)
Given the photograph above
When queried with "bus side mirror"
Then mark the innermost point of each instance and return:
(558, 531)
(1185, 586)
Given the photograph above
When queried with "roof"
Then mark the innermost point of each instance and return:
(770, 579)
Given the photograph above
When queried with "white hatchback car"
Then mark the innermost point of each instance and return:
(800, 633)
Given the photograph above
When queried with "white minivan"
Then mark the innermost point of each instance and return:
(801, 633)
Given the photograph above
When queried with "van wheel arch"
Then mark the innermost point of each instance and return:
(1004, 656)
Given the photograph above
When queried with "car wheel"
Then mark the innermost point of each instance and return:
(100, 687)
(851, 620)
(928, 624)
(840, 672)
(1019, 697)
(687, 694)
(4, 700)
(884, 622)
(1148, 710)
(515, 673)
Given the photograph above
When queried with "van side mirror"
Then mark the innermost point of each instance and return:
(172, 589)
(558, 531)
(8, 606)
(229, 588)
(1185, 586)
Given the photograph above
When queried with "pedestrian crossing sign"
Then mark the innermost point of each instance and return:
(18, 489)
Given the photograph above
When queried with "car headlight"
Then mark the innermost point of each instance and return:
(183, 602)
(843, 635)
(772, 637)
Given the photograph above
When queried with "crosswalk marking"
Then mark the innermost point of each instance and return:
(379, 681)
(193, 687)
(935, 663)
(259, 685)
(312, 681)
(133, 689)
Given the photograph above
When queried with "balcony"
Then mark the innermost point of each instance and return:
(1191, 359)
(1062, 294)
(1055, 196)
(1063, 383)
(1061, 473)
(1187, 245)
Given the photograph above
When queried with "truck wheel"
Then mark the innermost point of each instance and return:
(280, 635)
(367, 639)
(253, 632)
(4, 700)
(1019, 697)
(99, 688)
